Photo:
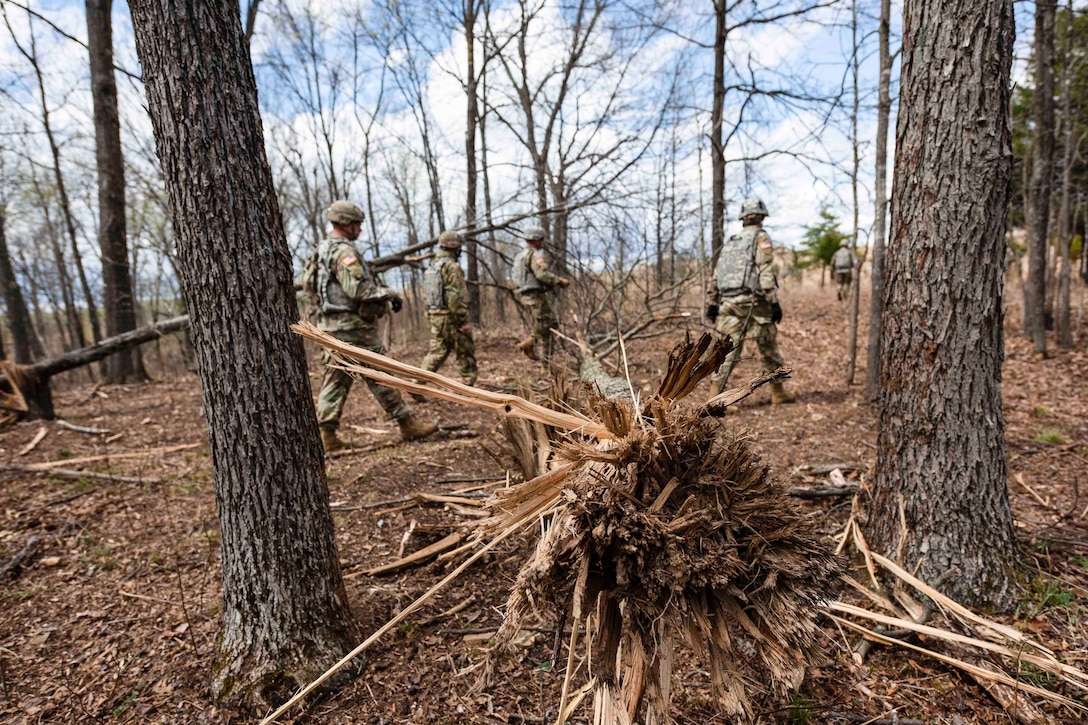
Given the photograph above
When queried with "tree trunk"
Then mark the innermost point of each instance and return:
(941, 472)
(1042, 170)
(74, 325)
(884, 106)
(1065, 332)
(23, 342)
(117, 298)
(855, 278)
(31, 55)
(498, 264)
(285, 611)
(70, 228)
(471, 117)
(717, 143)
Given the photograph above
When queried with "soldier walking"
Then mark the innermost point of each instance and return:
(447, 310)
(532, 282)
(742, 298)
(351, 300)
(842, 264)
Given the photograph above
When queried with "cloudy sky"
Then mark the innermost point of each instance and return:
(796, 155)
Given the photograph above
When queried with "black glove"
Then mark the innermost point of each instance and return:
(776, 312)
(398, 303)
(712, 313)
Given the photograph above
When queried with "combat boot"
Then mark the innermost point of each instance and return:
(527, 347)
(412, 429)
(779, 394)
(332, 442)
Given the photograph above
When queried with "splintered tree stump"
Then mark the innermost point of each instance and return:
(671, 530)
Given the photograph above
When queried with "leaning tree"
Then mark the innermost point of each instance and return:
(940, 498)
(285, 614)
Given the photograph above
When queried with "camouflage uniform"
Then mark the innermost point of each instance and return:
(843, 265)
(532, 282)
(352, 301)
(447, 311)
(745, 312)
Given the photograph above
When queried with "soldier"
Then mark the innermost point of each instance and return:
(532, 281)
(743, 300)
(842, 263)
(351, 299)
(447, 309)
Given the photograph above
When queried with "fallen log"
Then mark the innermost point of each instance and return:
(32, 381)
(823, 491)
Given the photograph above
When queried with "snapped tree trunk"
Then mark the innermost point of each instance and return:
(34, 380)
(941, 447)
(117, 297)
(285, 612)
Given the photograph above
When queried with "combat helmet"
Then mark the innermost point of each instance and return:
(533, 234)
(450, 240)
(344, 212)
(753, 205)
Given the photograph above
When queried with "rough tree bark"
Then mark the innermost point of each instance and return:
(941, 447)
(1042, 170)
(285, 613)
(117, 296)
(876, 271)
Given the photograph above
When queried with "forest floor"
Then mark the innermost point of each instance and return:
(112, 614)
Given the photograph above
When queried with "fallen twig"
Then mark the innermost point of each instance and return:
(11, 569)
(42, 432)
(82, 429)
(1020, 479)
(451, 611)
(416, 557)
(823, 491)
(75, 474)
(867, 720)
(823, 469)
(145, 598)
(48, 465)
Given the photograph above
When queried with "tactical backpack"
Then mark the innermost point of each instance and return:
(736, 272)
(434, 288)
(522, 274)
(330, 295)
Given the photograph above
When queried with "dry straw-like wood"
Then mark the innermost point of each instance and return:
(662, 529)
(670, 531)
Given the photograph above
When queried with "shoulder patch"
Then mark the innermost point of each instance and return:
(348, 260)
(539, 261)
(765, 244)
